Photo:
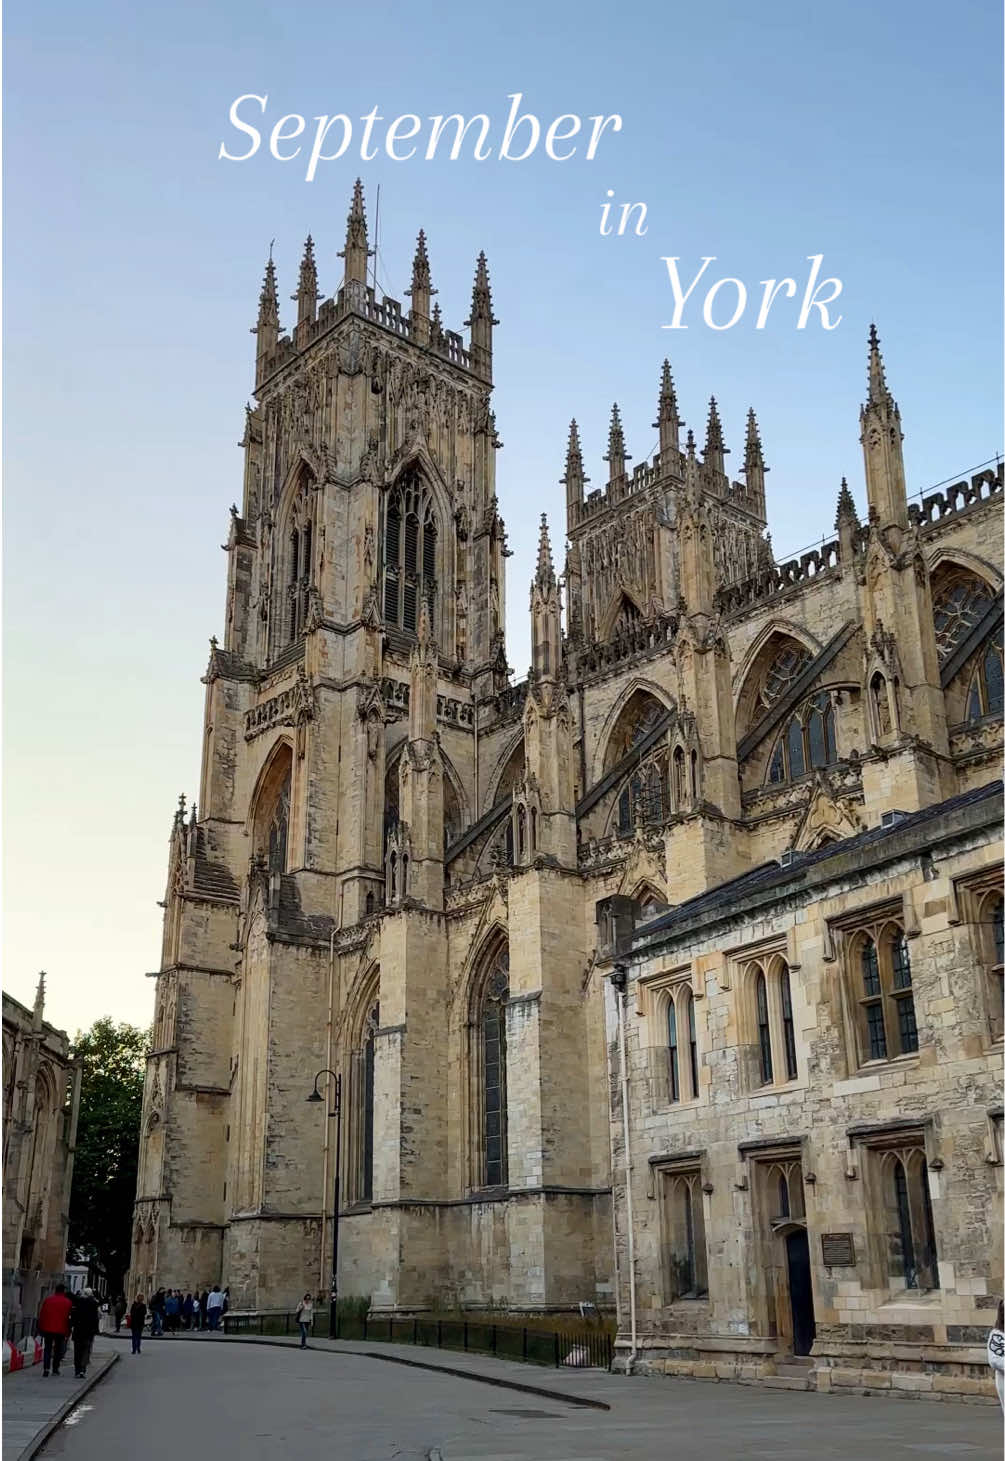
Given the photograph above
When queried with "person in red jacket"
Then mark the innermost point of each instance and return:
(54, 1327)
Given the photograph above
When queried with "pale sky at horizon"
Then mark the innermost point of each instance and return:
(870, 134)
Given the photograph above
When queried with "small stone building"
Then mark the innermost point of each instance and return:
(394, 866)
(41, 1097)
(813, 1058)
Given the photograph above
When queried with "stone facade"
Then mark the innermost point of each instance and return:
(41, 1101)
(395, 864)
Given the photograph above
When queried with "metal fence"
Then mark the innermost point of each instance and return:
(556, 1348)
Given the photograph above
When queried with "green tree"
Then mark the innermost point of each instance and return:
(108, 1135)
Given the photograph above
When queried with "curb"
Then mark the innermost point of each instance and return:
(49, 1429)
(394, 1359)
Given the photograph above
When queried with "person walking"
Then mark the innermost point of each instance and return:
(187, 1309)
(54, 1327)
(119, 1310)
(204, 1309)
(996, 1352)
(137, 1319)
(305, 1318)
(85, 1319)
(214, 1307)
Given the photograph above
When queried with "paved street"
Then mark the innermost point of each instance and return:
(201, 1398)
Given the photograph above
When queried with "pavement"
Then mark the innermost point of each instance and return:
(35, 1405)
(263, 1399)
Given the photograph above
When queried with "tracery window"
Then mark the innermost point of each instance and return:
(410, 534)
(684, 1246)
(985, 696)
(806, 742)
(682, 1061)
(959, 602)
(362, 1109)
(883, 993)
(787, 666)
(299, 563)
(772, 1030)
(489, 1073)
(643, 798)
(900, 1173)
(279, 828)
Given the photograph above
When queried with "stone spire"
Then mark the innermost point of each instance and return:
(616, 456)
(481, 321)
(668, 419)
(39, 1005)
(574, 480)
(715, 450)
(356, 251)
(878, 389)
(266, 330)
(545, 615)
(753, 464)
(882, 442)
(307, 290)
(846, 510)
(421, 292)
(846, 523)
(545, 576)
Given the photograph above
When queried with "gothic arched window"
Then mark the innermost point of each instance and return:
(361, 1111)
(491, 1032)
(958, 602)
(985, 696)
(806, 742)
(299, 553)
(881, 968)
(410, 533)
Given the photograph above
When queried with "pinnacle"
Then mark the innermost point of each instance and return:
(754, 452)
(545, 576)
(356, 209)
(845, 505)
(616, 454)
(878, 389)
(713, 431)
(574, 457)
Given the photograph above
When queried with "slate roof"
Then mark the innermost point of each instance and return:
(854, 851)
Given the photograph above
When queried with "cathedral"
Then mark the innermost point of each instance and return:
(668, 979)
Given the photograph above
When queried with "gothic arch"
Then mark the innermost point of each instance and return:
(647, 895)
(952, 556)
(509, 770)
(768, 647)
(485, 1084)
(304, 469)
(621, 599)
(602, 756)
(275, 775)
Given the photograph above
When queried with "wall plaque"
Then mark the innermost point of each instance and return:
(838, 1250)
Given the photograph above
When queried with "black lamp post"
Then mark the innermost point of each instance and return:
(335, 1112)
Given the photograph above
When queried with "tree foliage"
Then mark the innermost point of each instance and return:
(112, 1057)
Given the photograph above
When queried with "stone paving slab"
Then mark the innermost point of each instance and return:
(35, 1405)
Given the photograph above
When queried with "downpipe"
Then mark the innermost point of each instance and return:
(619, 980)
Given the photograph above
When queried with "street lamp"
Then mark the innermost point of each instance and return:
(336, 1111)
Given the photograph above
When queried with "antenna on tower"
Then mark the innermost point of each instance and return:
(376, 237)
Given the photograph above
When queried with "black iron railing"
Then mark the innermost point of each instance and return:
(553, 1347)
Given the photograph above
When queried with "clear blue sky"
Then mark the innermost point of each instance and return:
(760, 134)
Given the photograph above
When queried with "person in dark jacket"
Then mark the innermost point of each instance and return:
(137, 1319)
(54, 1327)
(85, 1320)
(203, 1308)
(119, 1310)
(187, 1306)
(157, 1314)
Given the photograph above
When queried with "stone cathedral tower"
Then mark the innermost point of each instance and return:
(404, 869)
